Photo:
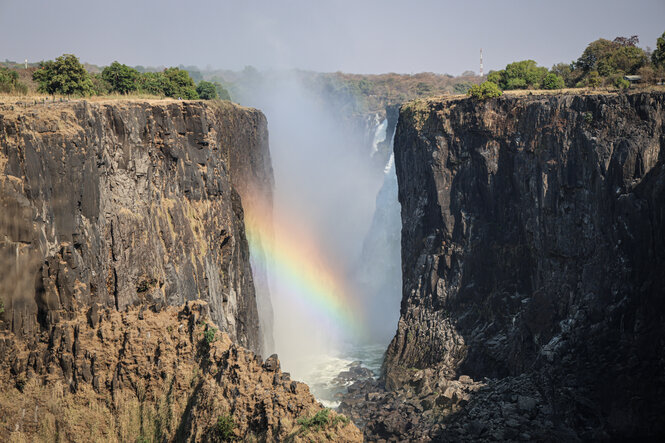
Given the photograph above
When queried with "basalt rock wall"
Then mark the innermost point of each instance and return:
(120, 203)
(533, 242)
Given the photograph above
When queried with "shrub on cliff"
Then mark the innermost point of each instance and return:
(179, 84)
(485, 91)
(9, 81)
(152, 83)
(223, 429)
(553, 81)
(66, 75)
(525, 74)
(122, 78)
(658, 55)
(172, 82)
(209, 335)
(206, 90)
(99, 85)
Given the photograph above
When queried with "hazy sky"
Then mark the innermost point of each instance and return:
(370, 36)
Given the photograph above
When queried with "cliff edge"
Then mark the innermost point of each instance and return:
(533, 251)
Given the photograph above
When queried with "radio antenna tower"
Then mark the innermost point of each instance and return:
(481, 62)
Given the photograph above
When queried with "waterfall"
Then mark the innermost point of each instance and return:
(379, 136)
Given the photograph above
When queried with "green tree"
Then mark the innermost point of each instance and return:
(66, 75)
(8, 79)
(565, 71)
(593, 80)
(525, 74)
(99, 85)
(627, 59)
(179, 84)
(122, 78)
(495, 77)
(153, 83)
(553, 81)
(609, 57)
(206, 90)
(620, 83)
(485, 91)
(595, 51)
(658, 56)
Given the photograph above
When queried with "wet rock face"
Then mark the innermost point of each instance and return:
(120, 203)
(533, 242)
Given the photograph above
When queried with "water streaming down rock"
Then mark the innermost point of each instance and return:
(378, 281)
(378, 274)
(379, 136)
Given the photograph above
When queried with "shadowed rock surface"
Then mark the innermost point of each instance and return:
(533, 251)
(119, 203)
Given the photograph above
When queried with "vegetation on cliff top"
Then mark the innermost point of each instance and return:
(603, 63)
(484, 91)
(66, 75)
(9, 81)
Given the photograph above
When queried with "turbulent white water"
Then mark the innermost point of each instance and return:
(322, 370)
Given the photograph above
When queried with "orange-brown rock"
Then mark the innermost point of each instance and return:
(151, 375)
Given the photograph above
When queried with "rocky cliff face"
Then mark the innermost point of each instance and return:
(156, 374)
(533, 251)
(122, 251)
(119, 203)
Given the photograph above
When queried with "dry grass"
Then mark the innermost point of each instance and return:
(549, 92)
(584, 91)
(40, 97)
(49, 413)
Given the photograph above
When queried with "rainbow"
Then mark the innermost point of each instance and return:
(295, 261)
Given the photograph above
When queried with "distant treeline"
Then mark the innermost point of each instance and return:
(67, 76)
(603, 63)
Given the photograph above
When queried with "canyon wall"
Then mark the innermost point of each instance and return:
(124, 202)
(533, 245)
(122, 251)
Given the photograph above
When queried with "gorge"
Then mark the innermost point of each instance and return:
(154, 251)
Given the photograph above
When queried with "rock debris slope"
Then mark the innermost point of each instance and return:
(156, 374)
